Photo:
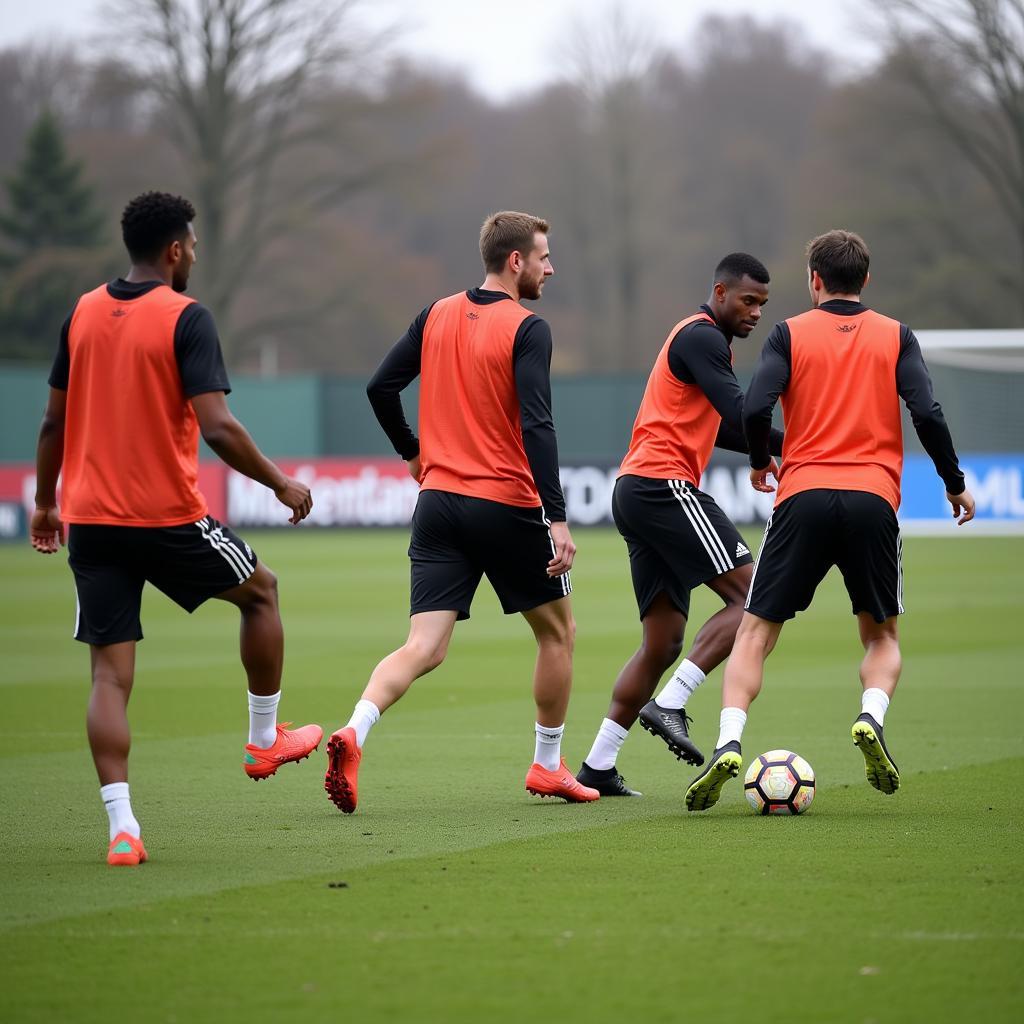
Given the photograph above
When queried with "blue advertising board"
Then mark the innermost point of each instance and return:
(995, 480)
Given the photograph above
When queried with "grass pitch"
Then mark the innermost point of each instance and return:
(451, 895)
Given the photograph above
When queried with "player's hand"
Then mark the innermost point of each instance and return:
(963, 506)
(759, 477)
(46, 531)
(565, 550)
(295, 494)
(415, 469)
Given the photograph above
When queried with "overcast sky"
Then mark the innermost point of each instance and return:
(461, 33)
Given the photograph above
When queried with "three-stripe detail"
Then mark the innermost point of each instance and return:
(227, 549)
(706, 533)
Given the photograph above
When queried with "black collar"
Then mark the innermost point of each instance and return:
(125, 291)
(485, 296)
(843, 307)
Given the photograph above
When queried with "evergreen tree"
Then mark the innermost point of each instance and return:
(50, 236)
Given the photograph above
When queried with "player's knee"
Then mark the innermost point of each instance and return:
(110, 675)
(563, 634)
(665, 653)
(269, 583)
(753, 637)
(735, 587)
(263, 586)
(427, 653)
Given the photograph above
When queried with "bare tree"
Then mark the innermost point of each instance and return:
(245, 89)
(975, 92)
(611, 61)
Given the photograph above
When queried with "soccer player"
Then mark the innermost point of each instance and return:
(841, 369)
(490, 500)
(677, 535)
(138, 374)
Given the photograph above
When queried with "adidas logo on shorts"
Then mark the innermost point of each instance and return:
(741, 549)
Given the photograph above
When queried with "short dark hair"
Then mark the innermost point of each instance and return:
(841, 259)
(152, 221)
(737, 265)
(506, 232)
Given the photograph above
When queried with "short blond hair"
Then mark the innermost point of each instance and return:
(506, 232)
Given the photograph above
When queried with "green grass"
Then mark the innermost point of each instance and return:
(467, 900)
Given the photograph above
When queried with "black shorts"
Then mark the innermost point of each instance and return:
(457, 539)
(188, 563)
(678, 538)
(812, 531)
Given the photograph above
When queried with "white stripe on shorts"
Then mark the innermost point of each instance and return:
(899, 571)
(242, 569)
(702, 528)
(698, 509)
(564, 578)
(757, 561)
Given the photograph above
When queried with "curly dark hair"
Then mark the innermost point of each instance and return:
(737, 265)
(152, 221)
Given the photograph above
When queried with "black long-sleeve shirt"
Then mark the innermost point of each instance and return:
(531, 366)
(912, 383)
(700, 354)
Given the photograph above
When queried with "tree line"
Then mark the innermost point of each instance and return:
(340, 189)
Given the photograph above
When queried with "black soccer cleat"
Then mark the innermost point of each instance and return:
(879, 766)
(607, 781)
(705, 790)
(671, 725)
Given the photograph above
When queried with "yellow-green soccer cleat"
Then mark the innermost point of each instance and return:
(725, 764)
(880, 768)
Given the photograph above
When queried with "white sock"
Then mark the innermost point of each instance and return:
(679, 689)
(119, 809)
(263, 719)
(607, 744)
(365, 715)
(548, 751)
(730, 725)
(875, 702)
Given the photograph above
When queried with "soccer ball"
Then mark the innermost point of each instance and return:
(779, 782)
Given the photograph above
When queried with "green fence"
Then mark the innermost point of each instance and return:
(313, 415)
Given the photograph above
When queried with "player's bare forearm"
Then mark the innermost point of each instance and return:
(233, 444)
(46, 531)
(49, 458)
(50, 449)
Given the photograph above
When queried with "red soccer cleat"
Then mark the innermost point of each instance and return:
(341, 780)
(126, 851)
(290, 745)
(561, 782)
